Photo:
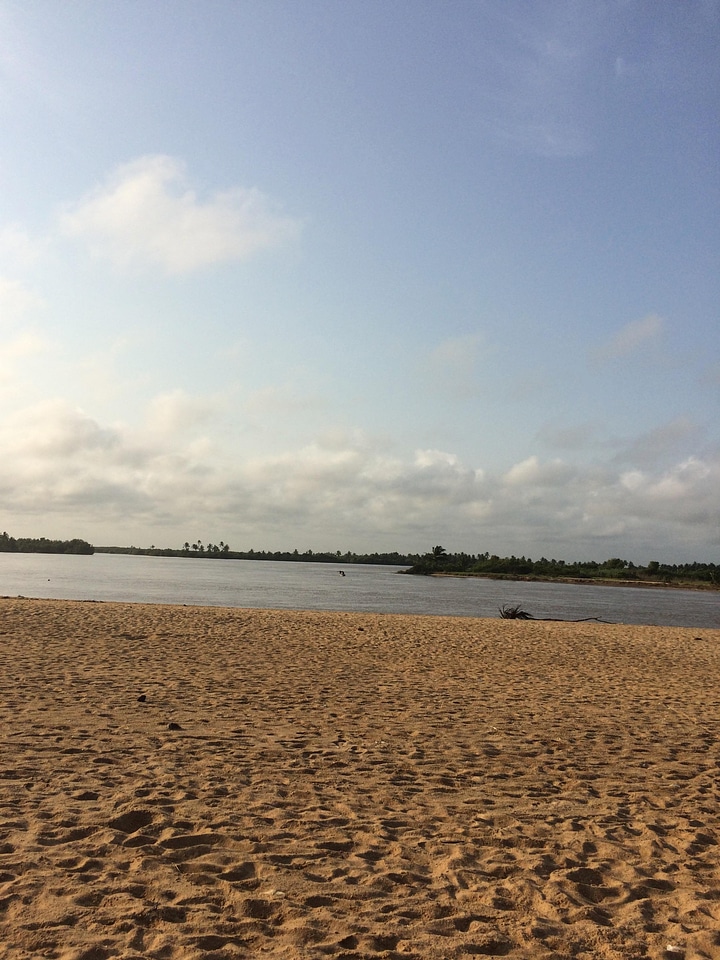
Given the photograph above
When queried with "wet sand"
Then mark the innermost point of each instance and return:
(206, 783)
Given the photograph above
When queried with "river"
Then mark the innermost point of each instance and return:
(320, 586)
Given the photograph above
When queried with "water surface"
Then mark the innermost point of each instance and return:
(272, 584)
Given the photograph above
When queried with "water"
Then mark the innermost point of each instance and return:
(318, 586)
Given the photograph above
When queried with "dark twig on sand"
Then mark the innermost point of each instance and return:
(514, 613)
(517, 613)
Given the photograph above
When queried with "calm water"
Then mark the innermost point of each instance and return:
(319, 586)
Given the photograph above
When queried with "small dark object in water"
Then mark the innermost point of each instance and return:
(142, 698)
(174, 726)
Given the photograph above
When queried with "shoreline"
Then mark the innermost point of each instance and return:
(590, 581)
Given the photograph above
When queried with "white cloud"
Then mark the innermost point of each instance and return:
(437, 474)
(59, 463)
(146, 214)
(632, 480)
(436, 460)
(53, 429)
(682, 501)
(634, 336)
(532, 473)
(682, 481)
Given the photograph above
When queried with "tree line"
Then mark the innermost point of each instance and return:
(438, 560)
(10, 544)
(222, 551)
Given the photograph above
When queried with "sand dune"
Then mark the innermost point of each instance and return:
(197, 783)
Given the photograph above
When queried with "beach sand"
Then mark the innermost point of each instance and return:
(184, 782)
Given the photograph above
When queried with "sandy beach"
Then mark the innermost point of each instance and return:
(206, 783)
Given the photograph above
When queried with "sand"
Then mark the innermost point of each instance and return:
(183, 782)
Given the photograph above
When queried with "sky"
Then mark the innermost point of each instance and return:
(362, 275)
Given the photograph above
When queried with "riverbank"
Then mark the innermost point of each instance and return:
(213, 783)
(587, 581)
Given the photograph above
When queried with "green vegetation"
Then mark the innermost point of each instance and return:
(222, 551)
(438, 560)
(10, 544)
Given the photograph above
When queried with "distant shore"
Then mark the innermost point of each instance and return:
(587, 581)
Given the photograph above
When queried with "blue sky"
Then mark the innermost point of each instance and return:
(362, 275)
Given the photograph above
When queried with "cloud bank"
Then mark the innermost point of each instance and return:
(166, 485)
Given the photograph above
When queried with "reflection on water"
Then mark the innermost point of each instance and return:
(319, 586)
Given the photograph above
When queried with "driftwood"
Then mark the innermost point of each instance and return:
(517, 613)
